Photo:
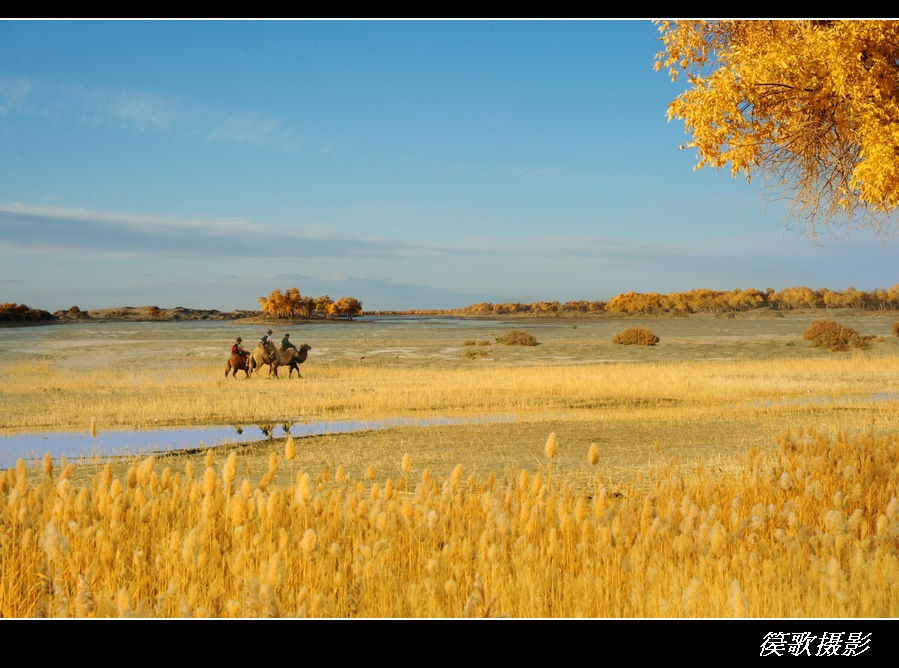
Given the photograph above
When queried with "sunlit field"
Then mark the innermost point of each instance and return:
(727, 471)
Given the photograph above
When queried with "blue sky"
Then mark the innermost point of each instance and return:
(409, 164)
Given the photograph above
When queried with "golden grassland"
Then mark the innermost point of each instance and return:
(668, 488)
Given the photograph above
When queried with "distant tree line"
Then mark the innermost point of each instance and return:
(535, 308)
(291, 305)
(703, 300)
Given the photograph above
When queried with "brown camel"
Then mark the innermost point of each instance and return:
(237, 363)
(298, 360)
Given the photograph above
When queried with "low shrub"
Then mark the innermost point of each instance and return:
(896, 329)
(468, 342)
(473, 354)
(517, 338)
(834, 337)
(636, 336)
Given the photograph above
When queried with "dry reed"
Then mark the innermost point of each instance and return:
(818, 515)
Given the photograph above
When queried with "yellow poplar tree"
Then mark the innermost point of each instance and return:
(812, 107)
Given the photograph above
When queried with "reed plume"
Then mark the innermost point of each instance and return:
(550, 449)
(290, 450)
(406, 464)
(229, 470)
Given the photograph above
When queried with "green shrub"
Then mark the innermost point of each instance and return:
(834, 337)
(516, 338)
(636, 336)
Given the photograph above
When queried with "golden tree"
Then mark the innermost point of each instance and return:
(812, 107)
(347, 306)
(291, 304)
(322, 303)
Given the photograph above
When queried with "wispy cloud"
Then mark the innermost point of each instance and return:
(26, 229)
(14, 93)
(43, 229)
(136, 110)
(55, 230)
(144, 111)
(255, 129)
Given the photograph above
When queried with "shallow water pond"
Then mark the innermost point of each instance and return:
(80, 444)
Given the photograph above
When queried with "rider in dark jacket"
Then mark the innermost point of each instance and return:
(285, 343)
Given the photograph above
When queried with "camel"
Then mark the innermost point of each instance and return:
(298, 360)
(279, 357)
(238, 363)
(260, 357)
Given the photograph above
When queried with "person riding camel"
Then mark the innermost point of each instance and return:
(268, 342)
(286, 344)
(238, 349)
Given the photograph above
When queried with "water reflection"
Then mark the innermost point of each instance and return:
(146, 441)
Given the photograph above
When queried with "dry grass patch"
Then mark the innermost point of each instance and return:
(678, 391)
